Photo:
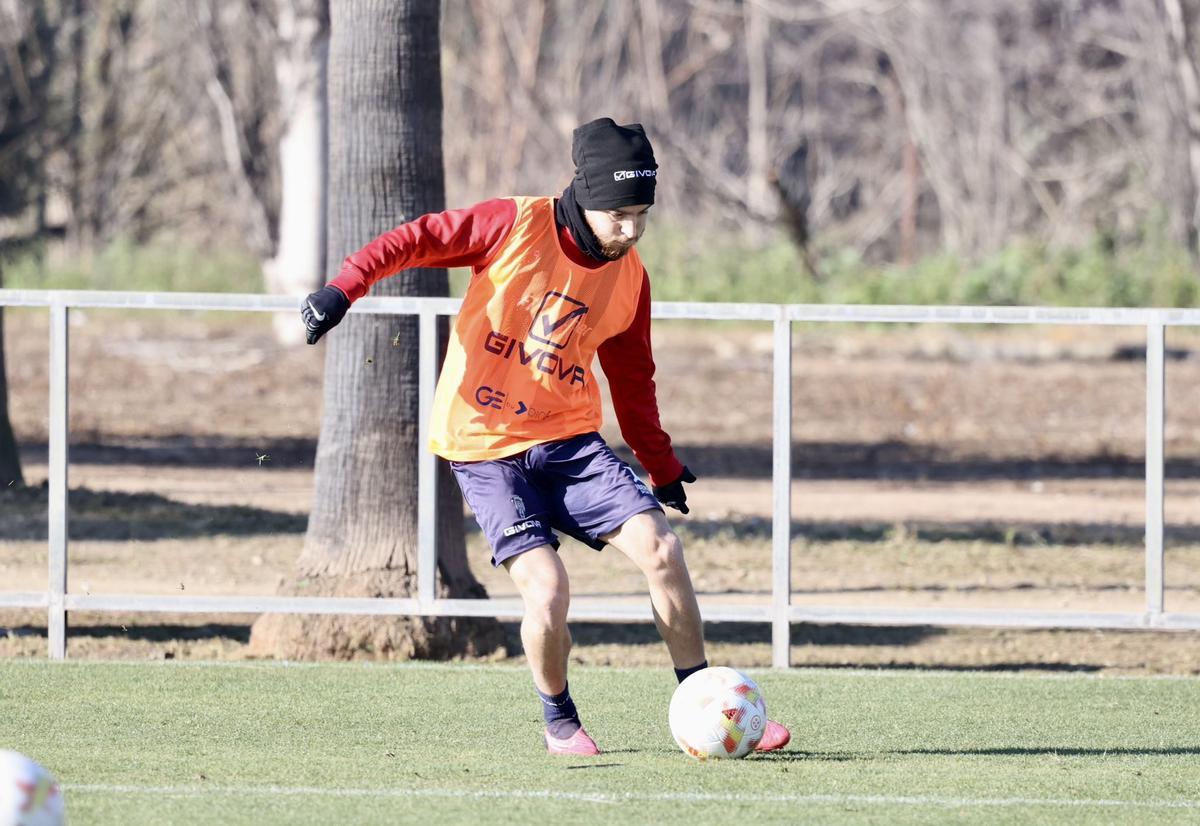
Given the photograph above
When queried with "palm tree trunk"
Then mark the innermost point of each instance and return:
(385, 166)
(10, 460)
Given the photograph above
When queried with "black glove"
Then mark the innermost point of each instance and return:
(322, 311)
(672, 495)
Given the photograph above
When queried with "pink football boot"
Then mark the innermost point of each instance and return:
(774, 738)
(578, 744)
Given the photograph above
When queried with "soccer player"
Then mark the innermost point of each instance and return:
(554, 282)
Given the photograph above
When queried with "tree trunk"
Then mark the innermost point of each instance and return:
(758, 146)
(300, 65)
(1180, 25)
(10, 460)
(385, 164)
(74, 137)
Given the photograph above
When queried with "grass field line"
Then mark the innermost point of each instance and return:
(424, 665)
(636, 797)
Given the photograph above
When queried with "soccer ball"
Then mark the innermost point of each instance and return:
(717, 712)
(29, 795)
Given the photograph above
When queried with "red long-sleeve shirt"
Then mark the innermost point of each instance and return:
(470, 238)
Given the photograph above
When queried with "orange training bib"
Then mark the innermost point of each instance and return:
(518, 368)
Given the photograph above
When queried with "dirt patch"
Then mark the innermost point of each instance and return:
(166, 636)
(965, 469)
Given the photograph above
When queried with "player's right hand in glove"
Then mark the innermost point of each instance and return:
(322, 311)
(672, 495)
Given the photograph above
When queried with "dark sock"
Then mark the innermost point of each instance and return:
(562, 720)
(683, 673)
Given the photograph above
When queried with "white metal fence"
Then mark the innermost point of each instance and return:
(780, 613)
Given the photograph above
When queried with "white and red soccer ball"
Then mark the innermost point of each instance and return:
(717, 712)
(29, 795)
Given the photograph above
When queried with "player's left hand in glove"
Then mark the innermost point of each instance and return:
(672, 495)
(322, 311)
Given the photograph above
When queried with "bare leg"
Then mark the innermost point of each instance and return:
(648, 540)
(542, 582)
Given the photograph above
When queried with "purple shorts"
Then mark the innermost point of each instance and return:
(577, 486)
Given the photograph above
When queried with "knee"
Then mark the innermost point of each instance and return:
(547, 600)
(665, 556)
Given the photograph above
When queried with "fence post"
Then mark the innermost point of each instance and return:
(781, 489)
(56, 620)
(426, 462)
(1155, 407)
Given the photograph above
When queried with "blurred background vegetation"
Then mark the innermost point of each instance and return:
(1153, 272)
(924, 151)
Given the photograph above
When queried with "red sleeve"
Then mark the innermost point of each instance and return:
(629, 365)
(455, 238)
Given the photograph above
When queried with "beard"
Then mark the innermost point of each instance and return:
(614, 250)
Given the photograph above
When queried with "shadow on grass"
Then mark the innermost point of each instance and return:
(584, 633)
(904, 461)
(634, 633)
(1015, 533)
(1050, 535)
(595, 634)
(107, 515)
(797, 755)
(591, 634)
(889, 459)
(1002, 667)
(157, 632)
(790, 755)
(184, 450)
(1060, 751)
(153, 633)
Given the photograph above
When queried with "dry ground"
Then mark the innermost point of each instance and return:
(936, 467)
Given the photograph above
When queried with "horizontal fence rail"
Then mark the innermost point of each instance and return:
(849, 313)
(780, 612)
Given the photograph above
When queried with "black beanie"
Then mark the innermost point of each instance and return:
(614, 165)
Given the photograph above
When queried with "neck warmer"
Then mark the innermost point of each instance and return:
(569, 214)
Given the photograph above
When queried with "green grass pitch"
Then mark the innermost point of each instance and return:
(141, 743)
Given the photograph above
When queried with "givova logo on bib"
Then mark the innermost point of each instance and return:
(550, 330)
(556, 319)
